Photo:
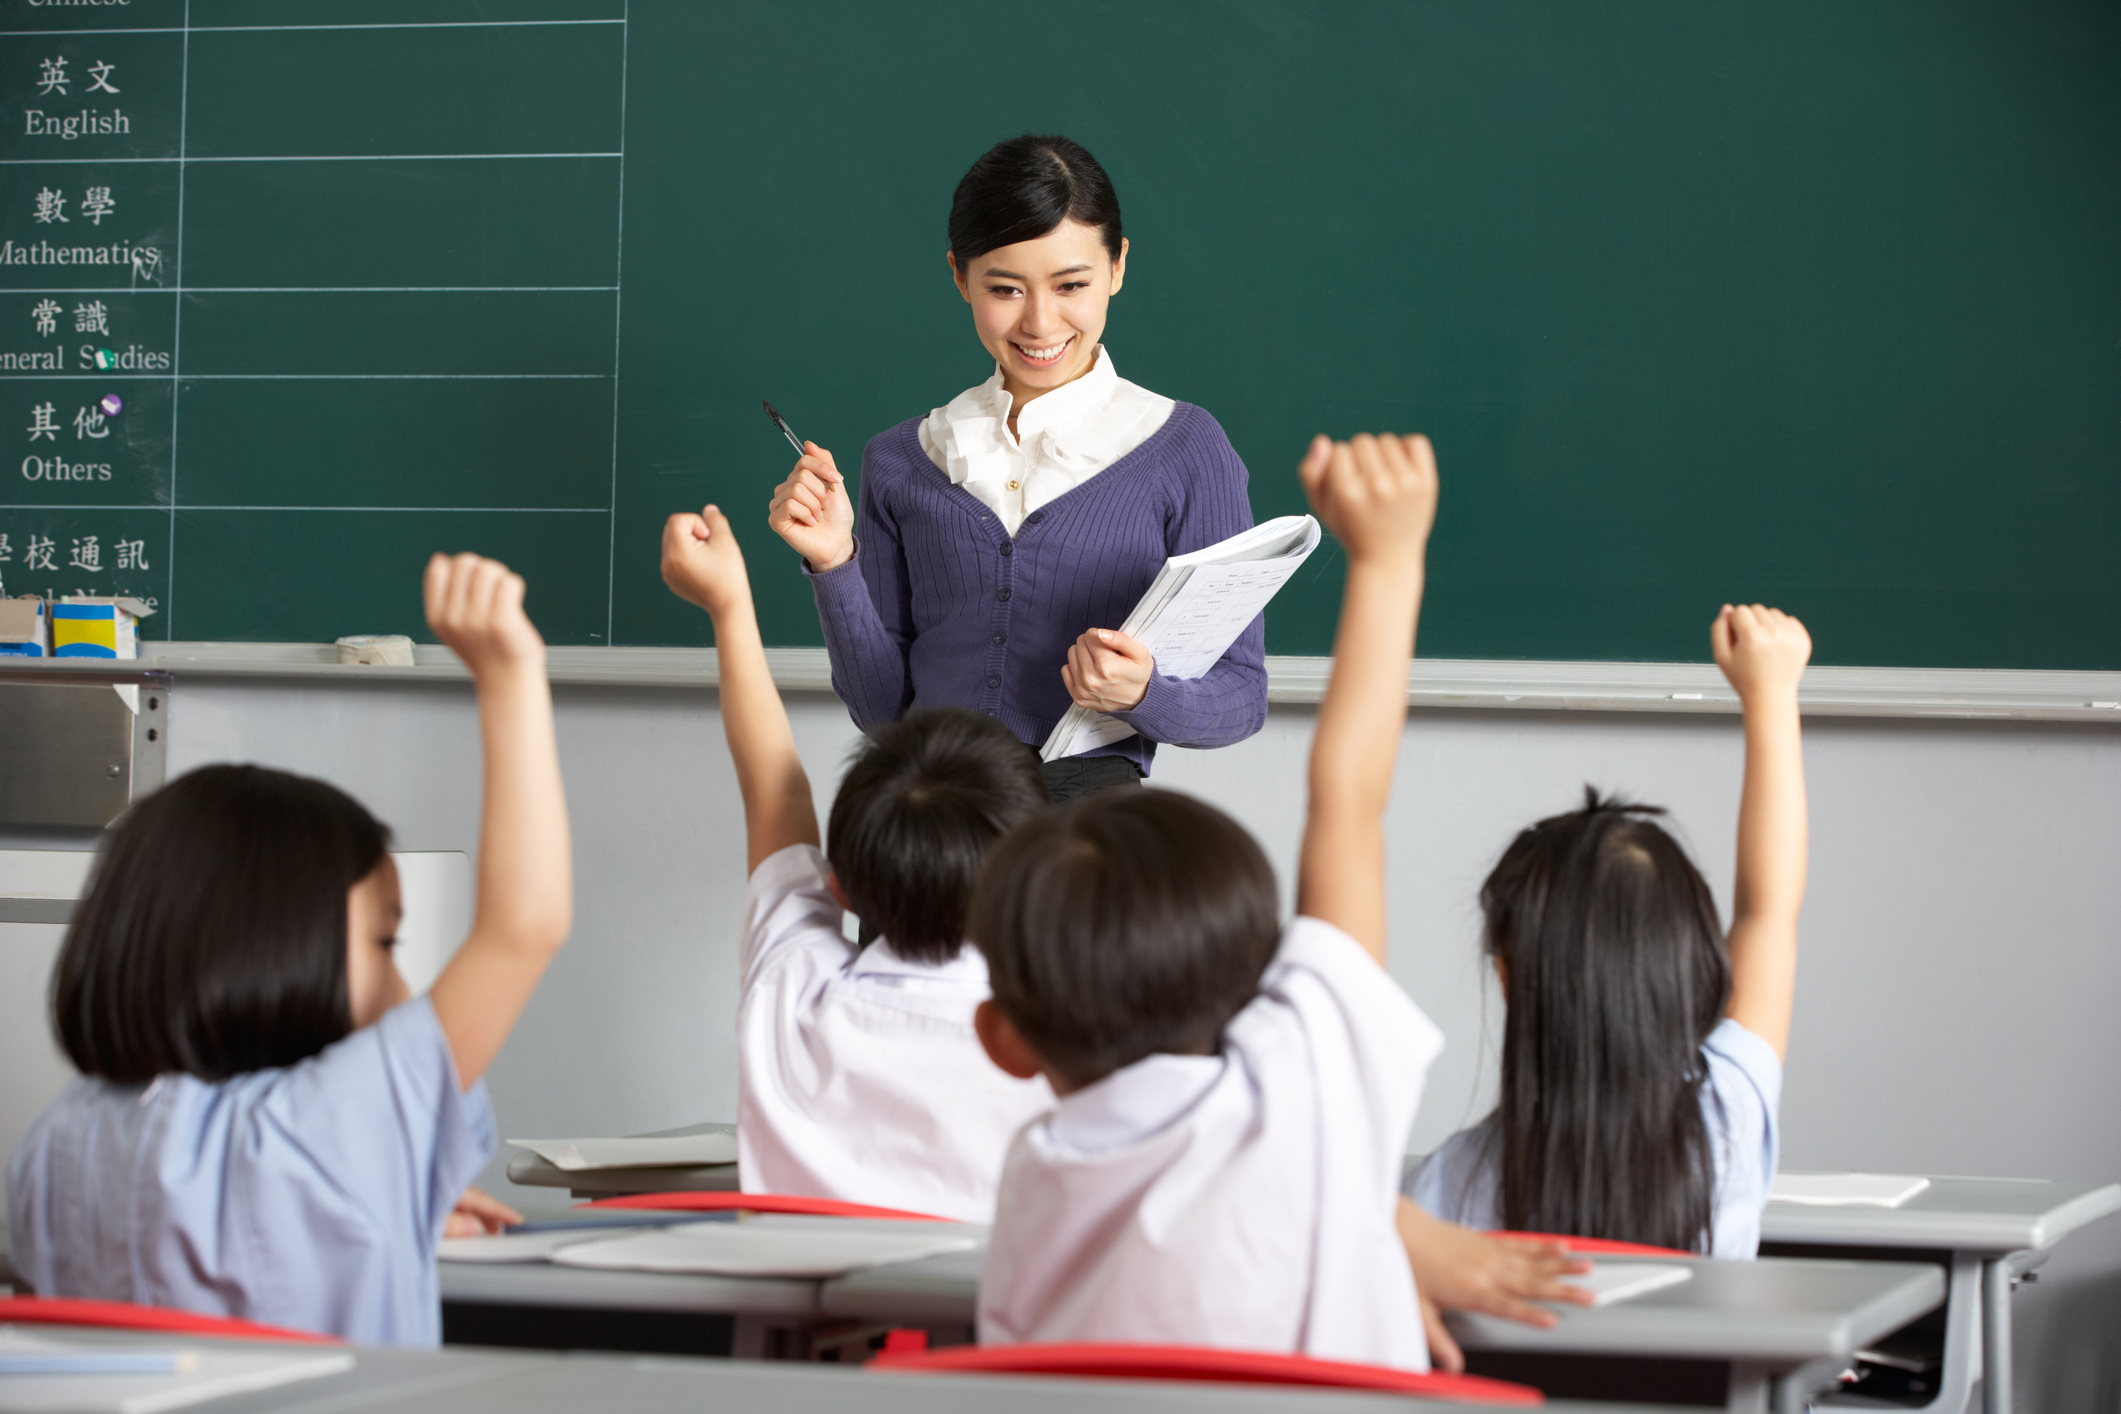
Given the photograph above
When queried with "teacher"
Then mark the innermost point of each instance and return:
(1003, 537)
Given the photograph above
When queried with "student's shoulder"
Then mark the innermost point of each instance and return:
(1735, 1057)
(789, 912)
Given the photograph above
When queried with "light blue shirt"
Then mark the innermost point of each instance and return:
(310, 1196)
(1739, 1101)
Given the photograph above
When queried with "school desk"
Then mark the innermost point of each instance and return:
(531, 1171)
(1987, 1233)
(462, 1381)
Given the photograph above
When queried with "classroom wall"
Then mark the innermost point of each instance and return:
(1954, 1004)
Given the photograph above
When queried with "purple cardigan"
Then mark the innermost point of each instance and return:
(939, 607)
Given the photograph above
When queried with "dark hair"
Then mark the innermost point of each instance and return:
(917, 811)
(212, 938)
(1616, 973)
(1127, 923)
(1025, 187)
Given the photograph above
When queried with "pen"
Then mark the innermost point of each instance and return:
(786, 431)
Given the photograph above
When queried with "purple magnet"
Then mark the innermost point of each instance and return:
(111, 404)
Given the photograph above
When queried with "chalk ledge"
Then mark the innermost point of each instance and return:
(2008, 694)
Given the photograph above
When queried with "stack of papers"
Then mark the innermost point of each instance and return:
(763, 1248)
(673, 1151)
(1193, 612)
(47, 1372)
(1609, 1282)
(1846, 1190)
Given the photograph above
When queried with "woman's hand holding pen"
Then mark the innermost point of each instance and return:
(813, 513)
(1108, 671)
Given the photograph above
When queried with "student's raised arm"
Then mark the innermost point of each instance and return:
(526, 866)
(1378, 497)
(1763, 652)
(703, 565)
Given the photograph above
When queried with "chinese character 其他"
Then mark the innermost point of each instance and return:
(101, 72)
(51, 206)
(46, 313)
(89, 423)
(91, 318)
(53, 79)
(43, 426)
(96, 204)
(37, 555)
(132, 555)
(88, 555)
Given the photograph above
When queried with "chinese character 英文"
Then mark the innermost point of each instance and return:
(91, 318)
(53, 79)
(38, 554)
(100, 72)
(43, 426)
(89, 423)
(46, 313)
(88, 555)
(51, 206)
(96, 204)
(132, 555)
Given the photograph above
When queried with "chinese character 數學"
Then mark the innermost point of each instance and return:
(100, 72)
(51, 206)
(132, 555)
(96, 204)
(37, 555)
(46, 313)
(53, 79)
(88, 555)
(89, 423)
(43, 426)
(91, 318)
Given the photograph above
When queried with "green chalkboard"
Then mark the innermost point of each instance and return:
(1811, 302)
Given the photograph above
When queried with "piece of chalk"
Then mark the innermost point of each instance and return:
(111, 404)
(388, 650)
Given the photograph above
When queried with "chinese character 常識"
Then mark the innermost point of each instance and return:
(89, 423)
(46, 313)
(97, 204)
(88, 555)
(53, 79)
(100, 72)
(43, 426)
(37, 555)
(51, 206)
(91, 318)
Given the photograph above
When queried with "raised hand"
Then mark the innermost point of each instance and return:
(702, 563)
(812, 511)
(475, 605)
(1108, 671)
(1762, 651)
(1376, 494)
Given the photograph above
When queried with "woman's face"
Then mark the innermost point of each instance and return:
(1039, 306)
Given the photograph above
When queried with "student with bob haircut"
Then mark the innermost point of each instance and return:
(860, 1076)
(1642, 1055)
(266, 1125)
(1003, 537)
(1235, 1095)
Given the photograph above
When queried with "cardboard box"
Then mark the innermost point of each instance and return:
(89, 627)
(25, 628)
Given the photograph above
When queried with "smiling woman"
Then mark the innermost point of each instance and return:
(1003, 537)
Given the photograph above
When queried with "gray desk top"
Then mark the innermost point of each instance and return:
(1987, 1215)
(461, 1380)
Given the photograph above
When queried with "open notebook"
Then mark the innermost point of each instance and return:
(1193, 611)
(1846, 1190)
(1609, 1282)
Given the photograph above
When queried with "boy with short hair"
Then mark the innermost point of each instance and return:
(860, 1075)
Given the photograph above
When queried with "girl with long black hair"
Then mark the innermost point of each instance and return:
(1642, 1056)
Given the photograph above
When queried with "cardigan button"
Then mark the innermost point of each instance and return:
(994, 682)
(1035, 517)
(1002, 595)
(1008, 548)
(1001, 638)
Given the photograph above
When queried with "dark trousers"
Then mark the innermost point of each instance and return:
(1075, 776)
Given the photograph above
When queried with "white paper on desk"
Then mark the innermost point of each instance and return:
(763, 1250)
(216, 1372)
(674, 1151)
(1609, 1282)
(1846, 1190)
(1193, 611)
(524, 1246)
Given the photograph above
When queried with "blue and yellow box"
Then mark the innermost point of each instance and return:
(25, 628)
(88, 627)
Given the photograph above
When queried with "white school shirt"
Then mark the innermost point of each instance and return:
(1063, 438)
(1739, 1103)
(859, 1076)
(1245, 1200)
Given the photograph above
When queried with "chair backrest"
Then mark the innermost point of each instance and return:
(759, 1203)
(1200, 1363)
(1595, 1246)
(123, 1315)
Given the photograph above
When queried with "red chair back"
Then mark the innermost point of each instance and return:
(1595, 1246)
(758, 1203)
(123, 1315)
(1199, 1363)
